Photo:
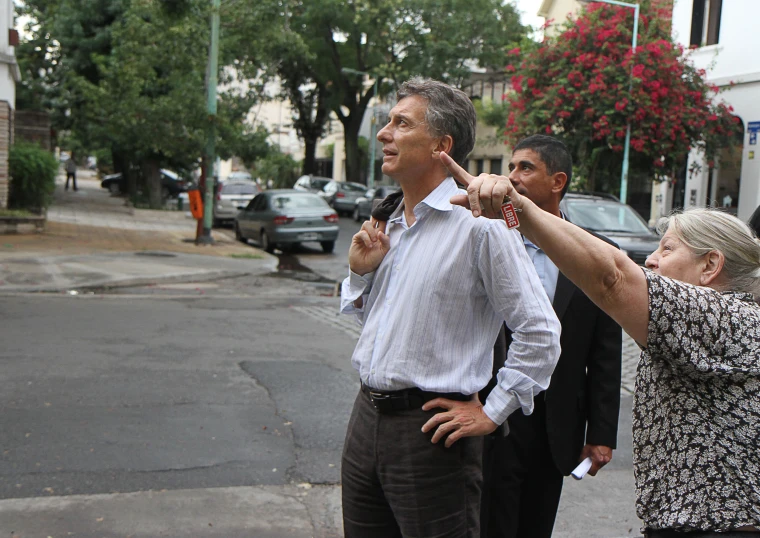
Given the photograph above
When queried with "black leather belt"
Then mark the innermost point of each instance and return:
(389, 401)
(671, 533)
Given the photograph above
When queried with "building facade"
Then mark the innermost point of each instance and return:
(722, 35)
(9, 75)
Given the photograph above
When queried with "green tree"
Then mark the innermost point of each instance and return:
(128, 77)
(585, 85)
(389, 39)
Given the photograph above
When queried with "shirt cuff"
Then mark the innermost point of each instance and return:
(500, 404)
(358, 285)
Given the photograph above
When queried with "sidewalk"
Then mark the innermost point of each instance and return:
(93, 240)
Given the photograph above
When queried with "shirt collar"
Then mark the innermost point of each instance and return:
(438, 200)
(529, 243)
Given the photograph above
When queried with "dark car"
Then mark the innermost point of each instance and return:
(342, 195)
(309, 183)
(754, 221)
(364, 206)
(171, 184)
(287, 217)
(619, 222)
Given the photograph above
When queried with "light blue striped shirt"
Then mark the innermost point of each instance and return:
(433, 308)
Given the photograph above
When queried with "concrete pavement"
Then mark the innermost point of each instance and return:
(93, 240)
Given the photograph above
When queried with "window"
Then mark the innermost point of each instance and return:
(705, 22)
(479, 167)
(496, 166)
(239, 188)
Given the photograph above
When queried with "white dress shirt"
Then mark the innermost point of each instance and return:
(433, 308)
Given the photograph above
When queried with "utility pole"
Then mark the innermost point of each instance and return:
(211, 82)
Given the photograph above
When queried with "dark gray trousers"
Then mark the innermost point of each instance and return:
(396, 483)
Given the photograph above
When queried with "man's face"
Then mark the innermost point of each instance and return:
(529, 175)
(408, 146)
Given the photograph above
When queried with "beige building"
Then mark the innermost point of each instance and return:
(557, 12)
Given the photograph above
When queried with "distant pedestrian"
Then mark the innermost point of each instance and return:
(71, 172)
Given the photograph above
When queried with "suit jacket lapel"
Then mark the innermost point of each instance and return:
(562, 295)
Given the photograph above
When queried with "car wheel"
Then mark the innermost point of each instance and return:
(264, 242)
(113, 188)
(327, 246)
(356, 215)
(239, 235)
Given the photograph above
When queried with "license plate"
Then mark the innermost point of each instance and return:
(309, 237)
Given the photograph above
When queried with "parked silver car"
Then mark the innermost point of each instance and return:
(342, 195)
(363, 208)
(308, 183)
(286, 217)
(230, 196)
(619, 222)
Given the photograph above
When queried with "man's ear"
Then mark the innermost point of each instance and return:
(558, 182)
(445, 143)
(712, 267)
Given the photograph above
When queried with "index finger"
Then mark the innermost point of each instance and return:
(459, 173)
(469, 181)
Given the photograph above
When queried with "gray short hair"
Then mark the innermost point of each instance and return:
(449, 112)
(706, 229)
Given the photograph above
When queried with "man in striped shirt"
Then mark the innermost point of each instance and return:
(431, 295)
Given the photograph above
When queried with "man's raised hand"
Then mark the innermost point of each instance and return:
(485, 193)
(368, 248)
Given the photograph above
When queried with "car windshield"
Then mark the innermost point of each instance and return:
(605, 216)
(319, 183)
(239, 188)
(354, 188)
(298, 201)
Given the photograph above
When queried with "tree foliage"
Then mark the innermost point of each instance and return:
(128, 76)
(585, 85)
(390, 40)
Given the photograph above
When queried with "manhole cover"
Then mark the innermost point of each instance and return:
(156, 254)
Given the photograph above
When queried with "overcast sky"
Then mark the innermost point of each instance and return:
(528, 10)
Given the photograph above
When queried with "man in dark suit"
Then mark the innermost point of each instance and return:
(576, 417)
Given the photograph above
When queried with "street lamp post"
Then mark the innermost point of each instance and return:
(211, 83)
(627, 148)
(373, 129)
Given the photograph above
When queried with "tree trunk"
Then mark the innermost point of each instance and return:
(309, 156)
(152, 174)
(353, 160)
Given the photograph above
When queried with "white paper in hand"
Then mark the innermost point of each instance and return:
(580, 471)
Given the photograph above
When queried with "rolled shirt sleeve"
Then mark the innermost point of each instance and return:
(353, 287)
(517, 294)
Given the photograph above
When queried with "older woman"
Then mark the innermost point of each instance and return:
(696, 414)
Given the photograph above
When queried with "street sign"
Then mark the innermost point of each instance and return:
(752, 128)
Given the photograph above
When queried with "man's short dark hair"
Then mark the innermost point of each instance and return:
(553, 153)
(449, 112)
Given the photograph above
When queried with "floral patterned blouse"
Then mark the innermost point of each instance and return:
(696, 411)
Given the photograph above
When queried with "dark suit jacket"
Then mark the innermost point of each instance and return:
(583, 398)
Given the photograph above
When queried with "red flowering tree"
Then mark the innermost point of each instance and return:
(584, 85)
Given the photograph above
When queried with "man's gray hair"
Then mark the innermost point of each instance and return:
(449, 112)
(706, 229)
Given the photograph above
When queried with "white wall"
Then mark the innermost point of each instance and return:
(734, 59)
(8, 68)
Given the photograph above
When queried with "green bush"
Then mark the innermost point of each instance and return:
(32, 171)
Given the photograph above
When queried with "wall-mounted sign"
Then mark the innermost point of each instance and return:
(751, 155)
